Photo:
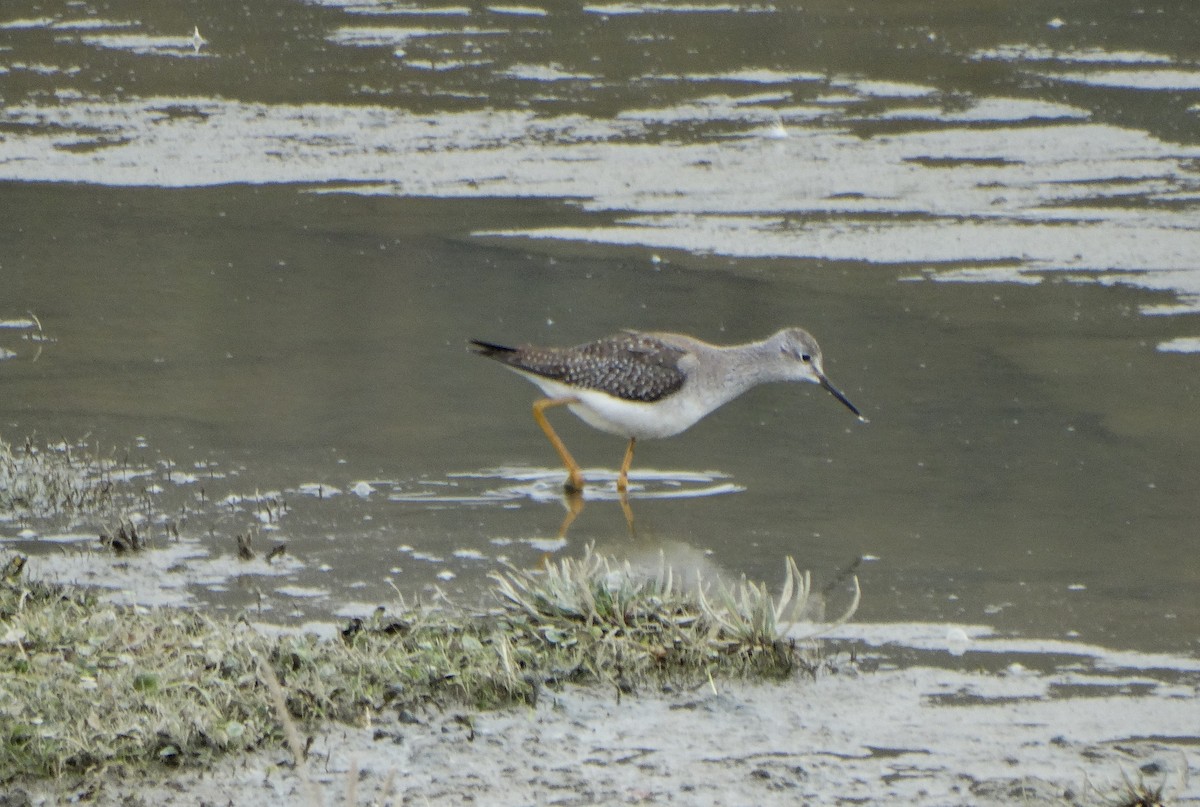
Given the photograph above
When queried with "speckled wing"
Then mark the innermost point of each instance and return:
(631, 366)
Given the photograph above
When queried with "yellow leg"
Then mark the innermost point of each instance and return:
(574, 483)
(628, 511)
(573, 499)
(623, 476)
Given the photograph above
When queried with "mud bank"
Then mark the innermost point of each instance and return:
(870, 733)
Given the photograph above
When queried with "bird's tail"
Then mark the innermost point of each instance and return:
(490, 349)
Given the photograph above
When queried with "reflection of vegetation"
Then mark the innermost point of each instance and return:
(84, 684)
(124, 538)
(39, 482)
(76, 484)
(37, 337)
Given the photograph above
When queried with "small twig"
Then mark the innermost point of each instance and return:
(291, 732)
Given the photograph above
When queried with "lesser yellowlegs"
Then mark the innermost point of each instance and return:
(642, 385)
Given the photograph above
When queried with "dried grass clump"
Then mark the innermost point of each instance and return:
(1139, 793)
(632, 619)
(748, 615)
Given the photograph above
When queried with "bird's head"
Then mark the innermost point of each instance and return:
(801, 361)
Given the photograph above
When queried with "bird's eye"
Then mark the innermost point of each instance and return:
(804, 357)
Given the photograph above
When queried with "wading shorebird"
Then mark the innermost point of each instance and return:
(644, 385)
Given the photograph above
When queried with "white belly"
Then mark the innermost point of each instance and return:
(664, 418)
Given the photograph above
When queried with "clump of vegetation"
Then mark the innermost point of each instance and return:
(748, 615)
(125, 537)
(631, 621)
(40, 482)
(85, 684)
(1139, 793)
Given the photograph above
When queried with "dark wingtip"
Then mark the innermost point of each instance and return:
(490, 349)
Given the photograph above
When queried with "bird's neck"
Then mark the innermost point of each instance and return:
(746, 366)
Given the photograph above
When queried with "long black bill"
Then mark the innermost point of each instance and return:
(837, 393)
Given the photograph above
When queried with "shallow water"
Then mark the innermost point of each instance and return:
(259, 259)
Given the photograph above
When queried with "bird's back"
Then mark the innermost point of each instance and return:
(630, 366)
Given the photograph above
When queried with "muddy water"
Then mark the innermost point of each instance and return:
(258, 255)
